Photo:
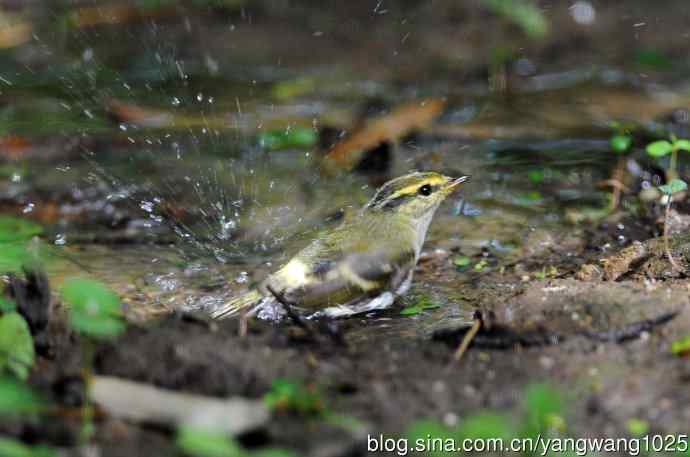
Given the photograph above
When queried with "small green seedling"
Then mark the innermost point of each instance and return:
(204, 443)
(13, 448)
(19, 399)
(294, 397)
(536, 175)
(681, 347)
(461, 261)
(479, 266)
(546, 272)
(199, 442)
(653, 59)
(524, 14)
(672, 187)
(421, 305)
(19, 246)
(429, 429)
(637, 427)
(486, 425)
(620, 142)
(94, 314)
(17, 229)
(544, 410)
(671, 146)
(295, 137)
(94, 308)
(16, 345)
(285, 90)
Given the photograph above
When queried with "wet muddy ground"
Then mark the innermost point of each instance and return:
(177, 216)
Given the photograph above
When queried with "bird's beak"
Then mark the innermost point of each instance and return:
(453, 183)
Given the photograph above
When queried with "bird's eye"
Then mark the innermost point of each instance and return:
(424, 190)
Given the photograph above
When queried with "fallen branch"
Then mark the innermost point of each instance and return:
(144, 403)
(469, 336)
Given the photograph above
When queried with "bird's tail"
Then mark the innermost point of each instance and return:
(242, 302)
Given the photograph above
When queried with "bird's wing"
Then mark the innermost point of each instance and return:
(332, 271)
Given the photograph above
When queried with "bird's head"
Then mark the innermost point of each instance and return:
(414, 195)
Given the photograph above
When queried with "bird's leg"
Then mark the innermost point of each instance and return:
(243, 323)
(290, 311)
(332, 332)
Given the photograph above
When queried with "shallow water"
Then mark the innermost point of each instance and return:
(185, 215)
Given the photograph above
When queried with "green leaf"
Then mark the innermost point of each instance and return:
(204, 443)
(681, 346)
(637, 427)
(536, 175)
(286, 90)
(429, 429)
(411, 310)
(286, 395)
(539, 274)
(16, 345)
(15, 255)
(524, 14)
(18, 398)
(673, 186)
(683, 145)
(544, 408)
(17, 229)
(461, 261)
(7, 305)
(530, 198)
(95, 308)
(654, 59)
(13, 448)
(479, 266)
(296, 137)
(659, 148)
(620, 143)
(420, 306)
(485, 426)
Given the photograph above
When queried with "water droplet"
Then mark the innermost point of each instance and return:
(146, 206)
(242, 277)
(583, 13)
(167, 283)
(226, 227)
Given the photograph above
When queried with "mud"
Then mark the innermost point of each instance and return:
(572, 293)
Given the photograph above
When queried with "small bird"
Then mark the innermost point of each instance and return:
(361, 265)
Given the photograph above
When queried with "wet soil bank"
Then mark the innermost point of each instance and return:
(604, 344)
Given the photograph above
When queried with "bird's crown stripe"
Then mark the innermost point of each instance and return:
(412, 188)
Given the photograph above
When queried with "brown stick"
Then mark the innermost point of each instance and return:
(469, 336)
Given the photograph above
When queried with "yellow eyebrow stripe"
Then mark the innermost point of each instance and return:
(411, 189)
